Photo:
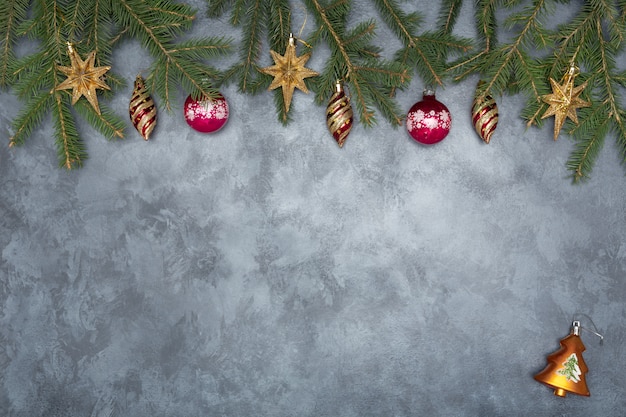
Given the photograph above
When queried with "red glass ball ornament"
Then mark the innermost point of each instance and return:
(428, 121)
(206, 115)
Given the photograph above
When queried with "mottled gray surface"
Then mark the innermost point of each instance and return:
(262, 271)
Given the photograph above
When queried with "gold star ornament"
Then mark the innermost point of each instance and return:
(564, 100)
(83, 77)
(289, 71)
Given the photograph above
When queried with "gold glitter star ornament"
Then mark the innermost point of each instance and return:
(289, 71)
(83, 78)
(564, 100)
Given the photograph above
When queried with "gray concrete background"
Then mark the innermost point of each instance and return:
(263, 271)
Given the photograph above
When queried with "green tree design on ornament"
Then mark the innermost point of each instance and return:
(571, 371)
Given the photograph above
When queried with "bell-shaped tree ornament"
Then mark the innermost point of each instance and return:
(566, 368)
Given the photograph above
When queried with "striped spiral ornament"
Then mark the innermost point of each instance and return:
(339, 116)
(142, 110)
(484, 114)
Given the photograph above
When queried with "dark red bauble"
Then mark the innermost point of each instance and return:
(428, 121)
(207, 115)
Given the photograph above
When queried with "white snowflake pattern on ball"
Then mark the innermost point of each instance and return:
(445, 119)
(414, 119)
(218, 109)
(191, 113)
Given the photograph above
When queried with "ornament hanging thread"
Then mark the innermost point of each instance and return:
(142, 110)
(339, 115)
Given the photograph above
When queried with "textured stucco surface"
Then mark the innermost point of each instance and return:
(263, 271)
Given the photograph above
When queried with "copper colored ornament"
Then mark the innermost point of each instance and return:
(484, 114)
(142, 110)
(339, 116)
(83, 78)
(289, 71)
(566, 368)
(564, 100)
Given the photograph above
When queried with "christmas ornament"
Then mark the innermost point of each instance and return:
(83, 78)
(564, 100)
(207, 115)
(484, 114)
(289, 71)
(428, 121)
(566, 368)
(142, 110)
(339, 115)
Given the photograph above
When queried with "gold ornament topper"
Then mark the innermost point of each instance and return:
(564, 100)
(83, 77)
(289, 71)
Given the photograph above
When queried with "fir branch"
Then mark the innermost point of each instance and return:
(12, 14)
(370, 79)
(250, 14)
(486, 27)
(607, 115)
(448, 13)
(29, 118)
(109, 124)
(586, 152)
(216, 8)
(33, 74)
(70, 149)
(279, 23)
(99, 29)
(426, 53)
(78, 17)
(502, 60)
(179, 14)
(178, 67)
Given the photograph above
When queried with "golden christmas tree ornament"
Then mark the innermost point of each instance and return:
(289, 71)
(564, 100)
(566, 368)
(83, 77)
(484, 114)
(339, 115)
(142, 109)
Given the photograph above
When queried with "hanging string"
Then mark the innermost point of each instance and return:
(595, 329)
(303, 26)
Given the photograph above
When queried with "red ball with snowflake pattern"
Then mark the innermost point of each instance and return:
(206, 115)
(428, 121)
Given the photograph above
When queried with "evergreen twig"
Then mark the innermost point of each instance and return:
(355, 60)
(534, 51)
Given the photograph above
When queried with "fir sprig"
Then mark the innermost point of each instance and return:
(12, 14)
(510, 63)
(427, 52)
(356, 61)
(176, 64)
(534, 51)
(250, 15)
(95, 25)
(592, 39)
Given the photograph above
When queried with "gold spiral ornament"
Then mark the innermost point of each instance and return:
(484, 114)
(339, 116)
(142, 110)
